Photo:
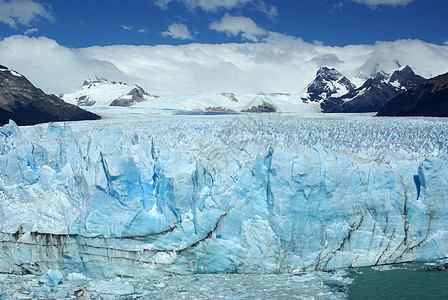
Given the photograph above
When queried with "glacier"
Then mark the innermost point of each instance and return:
(175, 194)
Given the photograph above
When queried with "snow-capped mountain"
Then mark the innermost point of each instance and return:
(328, 83)
(102, 92)
(429, 98)
(22, 102)
(336, 93)
(374, 93)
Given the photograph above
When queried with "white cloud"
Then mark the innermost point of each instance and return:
(270, 10)
(215, 5)
(132, 28)
(126, 27)
(279, 64)
(163, 4)
(31, 31)
(234, 26)
(206, 5)
(384, 2)
(178, 31)
(23, 12)
(49, 65)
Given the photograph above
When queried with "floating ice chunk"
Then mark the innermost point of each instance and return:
(5, 296)
(44, 289)
(160, 285)
(52, 277)
(76, 277)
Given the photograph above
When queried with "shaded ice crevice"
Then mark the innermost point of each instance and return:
(221, 196)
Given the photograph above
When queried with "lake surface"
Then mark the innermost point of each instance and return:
(398, 282)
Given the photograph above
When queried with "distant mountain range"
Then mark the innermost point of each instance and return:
(101, 92)
(329, 92)
(336, 94)
(22, 102)
(429, 98)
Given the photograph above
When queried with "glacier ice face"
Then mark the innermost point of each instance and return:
(221, 194)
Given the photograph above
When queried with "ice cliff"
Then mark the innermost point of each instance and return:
(197, 195)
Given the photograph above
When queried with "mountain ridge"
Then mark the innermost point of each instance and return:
(429, 98)
(371, 96)
(22, 102)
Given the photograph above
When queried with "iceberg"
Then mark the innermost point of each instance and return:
(222, 194)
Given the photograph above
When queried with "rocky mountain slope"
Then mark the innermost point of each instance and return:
(338, 95)
(429, 98)
(102, 92)
(22, 102)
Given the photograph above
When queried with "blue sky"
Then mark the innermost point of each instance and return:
(84, 23)
(178, 47)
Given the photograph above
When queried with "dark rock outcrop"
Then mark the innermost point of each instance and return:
(219, 109)
(22, 102)
(135, 95)
(264, 107)
(429, 98)
(85, 101)
(231, 96)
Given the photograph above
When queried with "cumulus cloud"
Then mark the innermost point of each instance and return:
(278, 64)
(384, 2)
(23, 12)
(234, 26)
(178, 31)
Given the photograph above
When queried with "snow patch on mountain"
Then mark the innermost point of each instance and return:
(6, 69)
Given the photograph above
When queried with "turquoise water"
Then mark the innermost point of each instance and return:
(398, 282)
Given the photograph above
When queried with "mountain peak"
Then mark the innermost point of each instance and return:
(405, 78)
(328, 83)
(94, 80)
(329, 74)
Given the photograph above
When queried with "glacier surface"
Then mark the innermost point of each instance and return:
(224, 194)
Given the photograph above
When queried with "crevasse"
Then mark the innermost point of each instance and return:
(210, 195)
